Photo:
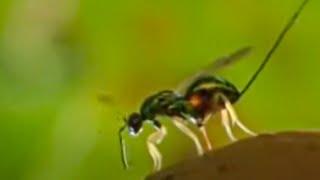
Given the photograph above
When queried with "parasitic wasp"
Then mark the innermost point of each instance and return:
(195, 101)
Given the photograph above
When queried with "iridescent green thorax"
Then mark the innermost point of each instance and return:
(162, 103)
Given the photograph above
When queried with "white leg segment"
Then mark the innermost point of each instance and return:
(206, 137)
(182, 127)
(226, 124)
(207, 118)
(235, 119)
(152, 141)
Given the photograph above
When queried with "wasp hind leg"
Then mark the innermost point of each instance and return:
(182, 127)
(234, 118)
(154, 139)
(226, 124)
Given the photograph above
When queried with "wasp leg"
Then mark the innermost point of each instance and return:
(182, 127)
(234, 117)
(207, 118)
(153, 140)
(204, 133)
(226, 124)
(205, 136)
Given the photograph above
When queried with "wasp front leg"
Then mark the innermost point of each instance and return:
(234, 118)
(153, 140)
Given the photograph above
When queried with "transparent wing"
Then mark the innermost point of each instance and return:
(216, 65)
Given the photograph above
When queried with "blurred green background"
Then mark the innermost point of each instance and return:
(56, 56)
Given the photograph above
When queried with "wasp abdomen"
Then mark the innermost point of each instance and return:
(204, 95)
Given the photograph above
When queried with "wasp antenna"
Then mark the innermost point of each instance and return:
(123, 148)
(275, 46)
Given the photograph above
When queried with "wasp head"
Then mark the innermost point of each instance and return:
(134, 123)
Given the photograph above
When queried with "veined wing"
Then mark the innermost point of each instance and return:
(216, 65)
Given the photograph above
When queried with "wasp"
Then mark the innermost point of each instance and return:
(195, 101)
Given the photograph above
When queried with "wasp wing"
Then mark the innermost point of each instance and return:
(216, 65)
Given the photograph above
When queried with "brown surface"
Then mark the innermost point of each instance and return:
(283, 156)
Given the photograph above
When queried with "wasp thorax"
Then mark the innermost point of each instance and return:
(135, 123)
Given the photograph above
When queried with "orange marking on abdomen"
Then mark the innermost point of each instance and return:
(195, 100)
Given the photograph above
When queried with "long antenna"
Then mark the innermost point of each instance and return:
(275, 46)
(123, 148)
